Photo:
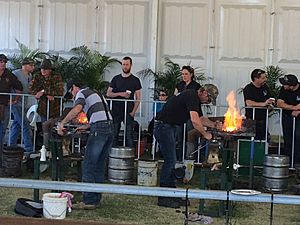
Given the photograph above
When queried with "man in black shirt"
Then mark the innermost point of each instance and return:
(124, 86)
(289, 101)
(256, 94)
(8, 82)
(178, 109)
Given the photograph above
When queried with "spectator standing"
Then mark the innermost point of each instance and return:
(162, 97)
(188, 82)
(45, 86)
(25, 77)
(8, 82)
(257, 94)
(157, 107)
(289, 101)
(124, 86)
(100, 139)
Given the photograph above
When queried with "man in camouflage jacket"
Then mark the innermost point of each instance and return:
(45, 86)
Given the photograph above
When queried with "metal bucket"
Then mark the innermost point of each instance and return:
(121, 165)
(276, 172)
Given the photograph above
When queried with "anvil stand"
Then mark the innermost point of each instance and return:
(56, 162)
(227, 151)
(229, 145)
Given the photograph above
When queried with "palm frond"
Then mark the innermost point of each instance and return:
(24, 52)
(273, 75)
(169, 76)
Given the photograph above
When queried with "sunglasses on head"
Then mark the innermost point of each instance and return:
(260, 72)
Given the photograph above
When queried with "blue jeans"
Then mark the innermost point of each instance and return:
(118, 118)
(98, 146)
(165, 135)
(16, 128)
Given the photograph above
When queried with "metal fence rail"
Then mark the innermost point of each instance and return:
(148, 191)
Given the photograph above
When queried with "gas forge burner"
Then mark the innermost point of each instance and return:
(246, 130)
(234, 124)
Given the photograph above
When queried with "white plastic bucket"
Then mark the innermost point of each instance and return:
(54, 207)
(147, 173)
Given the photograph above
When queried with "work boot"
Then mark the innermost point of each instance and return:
(168, 202)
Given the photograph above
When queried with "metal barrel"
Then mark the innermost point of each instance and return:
(276, 172)
(121, 165)
(12, 160)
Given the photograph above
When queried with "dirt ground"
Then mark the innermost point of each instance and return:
(37, 221)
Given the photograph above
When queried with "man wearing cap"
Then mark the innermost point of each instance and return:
(8, 82)
(178, 109)
(207, 94)
(289, 101)
(45, 86)
(257, 95)
(100, 138)
(25, 77)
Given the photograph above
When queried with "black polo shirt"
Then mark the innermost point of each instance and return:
(256, 94)
(177, 109)
(181, 86)
(290, 98)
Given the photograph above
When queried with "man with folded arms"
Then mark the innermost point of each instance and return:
(289, 101)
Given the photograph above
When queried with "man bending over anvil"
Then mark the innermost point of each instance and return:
(185, 105)
(100, 139)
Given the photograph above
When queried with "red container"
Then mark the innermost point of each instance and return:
(143, 144)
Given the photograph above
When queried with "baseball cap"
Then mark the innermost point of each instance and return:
(289, 79)
(72, 82)
(212, 91)
(27, 61)
(3, 58)
(46, 64)
(69, 85)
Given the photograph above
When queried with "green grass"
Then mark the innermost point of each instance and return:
(129, 209)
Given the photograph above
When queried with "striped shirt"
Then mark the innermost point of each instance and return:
(92, 105)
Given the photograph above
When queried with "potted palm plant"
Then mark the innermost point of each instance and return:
(25, 52)
(85, 64)
(273, 75)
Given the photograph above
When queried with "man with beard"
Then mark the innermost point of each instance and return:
(124, 86)
(256, 94)
(289, 101)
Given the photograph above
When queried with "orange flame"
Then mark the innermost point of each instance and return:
(233, 119)
(81, 118)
